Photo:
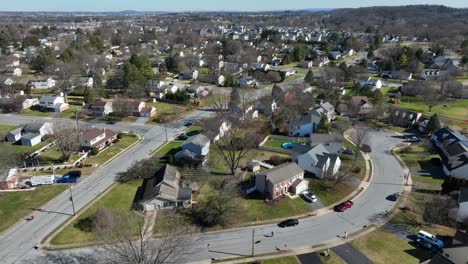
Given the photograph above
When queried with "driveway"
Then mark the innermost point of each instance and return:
(310, 258)
(351, 255)
(368, 208)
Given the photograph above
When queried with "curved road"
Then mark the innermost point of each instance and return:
(367, 209)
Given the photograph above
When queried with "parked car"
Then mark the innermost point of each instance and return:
(182, 137)
(413, 139)
(68, 179)
(344, 206)
(110, 122)
(288, 223)
(188, 124)
(366, 148)
(429, 241)
(393, 197)
(348, 151)
(310, 197)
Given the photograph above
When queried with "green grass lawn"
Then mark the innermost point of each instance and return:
(113, 150)
(167, 112)
(283, 260)
(383, 247)
(17, 205)
(329, 196)
(7, 128)
(171, 148)
(30, 112)
(276, 143)
(50, 156)
(420, 160)
(119, 199)
(19, 149)
(194, 129)
(257, 209)
(70, 113)
(347, 161)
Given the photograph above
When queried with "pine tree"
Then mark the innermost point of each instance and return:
(309, 78)
(433, 125)
(235, 97)
(277, 93)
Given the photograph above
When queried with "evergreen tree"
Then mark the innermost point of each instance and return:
(309, 78)
(235, 97)
(433, 125)
(277, 93)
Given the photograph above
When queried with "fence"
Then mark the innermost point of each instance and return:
(262, 146)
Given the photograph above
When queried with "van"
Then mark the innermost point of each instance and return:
(429, 240)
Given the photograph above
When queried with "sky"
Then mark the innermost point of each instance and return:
(203, 5)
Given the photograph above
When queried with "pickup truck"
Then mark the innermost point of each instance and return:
(344, 206)
(68, 179)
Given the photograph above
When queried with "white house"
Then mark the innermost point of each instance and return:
(221, 80)
(53, 103)
(319, 161)
(42, 83)
(368, 81)
(199, 144)
(14, 71)
(30, 139)
(306, 64)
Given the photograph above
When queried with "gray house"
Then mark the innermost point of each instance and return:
(15, 134)
(41, 128)
(163, 191)
(30, 139)
(198, 144)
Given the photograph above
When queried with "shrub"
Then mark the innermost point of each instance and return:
(277, 160)
(94, 151)
(356, 170)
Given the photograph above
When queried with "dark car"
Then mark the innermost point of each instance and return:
(344, 206)
(188, 124)
(366, 148)
(182, 137)
(110, 122)
(288, 223)
(393, 197)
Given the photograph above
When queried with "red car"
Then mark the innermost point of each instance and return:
(344, 206)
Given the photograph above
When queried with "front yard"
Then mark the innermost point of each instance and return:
(383, 247)
(170, 148)
(113, 150)
(119, 199)
(167, 112)
(15, 206)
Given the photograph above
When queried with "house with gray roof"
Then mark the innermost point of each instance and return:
(194, 151)
(281, 180)
(30, 139)
(319, 161)
(454, 152)
(163, 191)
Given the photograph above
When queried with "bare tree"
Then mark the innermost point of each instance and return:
(64, 73)
(359, 136)
(66, 140)
(236, 143)
(333, 180)
(436, 211)
(126, 242)
(220, 104)
(431, 97)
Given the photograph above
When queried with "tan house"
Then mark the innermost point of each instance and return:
(97, 138)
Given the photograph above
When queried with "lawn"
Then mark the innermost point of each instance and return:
(328, 196)
(418, 159)
(278, 143)
(17, 205)
(170, 148)
(383, 247)
(50, 156)
(194, 129)
(456, 111)
(7, 128)
(70, 113)
(347, 161)
(19, 149)
(112, 151)
(167, 112)
(119, 199)
(258, 209)
(283, 260)
(30, 112)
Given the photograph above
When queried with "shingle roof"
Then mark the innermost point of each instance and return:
(199, 139)
(165, 184)
(282, 172)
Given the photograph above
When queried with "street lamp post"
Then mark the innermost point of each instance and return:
(71, 199)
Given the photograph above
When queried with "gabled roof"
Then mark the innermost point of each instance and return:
(282, 172)
(199, 139)
(34, 126)
(358, 100)
(165, 184)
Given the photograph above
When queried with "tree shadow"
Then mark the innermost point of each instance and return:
(84, 224)
(419, 253)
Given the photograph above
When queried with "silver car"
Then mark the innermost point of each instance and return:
(309, 196)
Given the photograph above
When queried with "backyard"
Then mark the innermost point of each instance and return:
(17, 205)
(118, 199)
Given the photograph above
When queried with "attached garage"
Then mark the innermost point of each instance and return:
(299, 186)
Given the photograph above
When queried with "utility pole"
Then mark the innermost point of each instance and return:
(77, 124)
(165, 130)
(71, 199)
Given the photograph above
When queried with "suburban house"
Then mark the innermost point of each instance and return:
(42, 83)
(221, 80)
(41, 128)
(260, 66)
(53, 103)
(357, 105)
(215, 129)
(100, 108)
(97, 138)
(404, 118)
(266, 105)
(9, 179)
(189, 75)
(195, 149)
(248, 82)
(18, 103)
(306, 64)
(430, 75)
(319, 161)
(30, 139)
(368, 81)
(320, 61)
(15, 134)
(462, 213)
(281, 180)
(14, 71)
(140, 109)
(303, 125)
(454, 152)
(163, 191)
(399, 75)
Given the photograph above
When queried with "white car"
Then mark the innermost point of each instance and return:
(309, 196)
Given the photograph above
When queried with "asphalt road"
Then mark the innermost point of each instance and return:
(368, 208)
(18, 242)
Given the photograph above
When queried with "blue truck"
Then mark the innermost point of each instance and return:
(68, 179)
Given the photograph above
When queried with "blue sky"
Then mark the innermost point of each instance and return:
(200, 5)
